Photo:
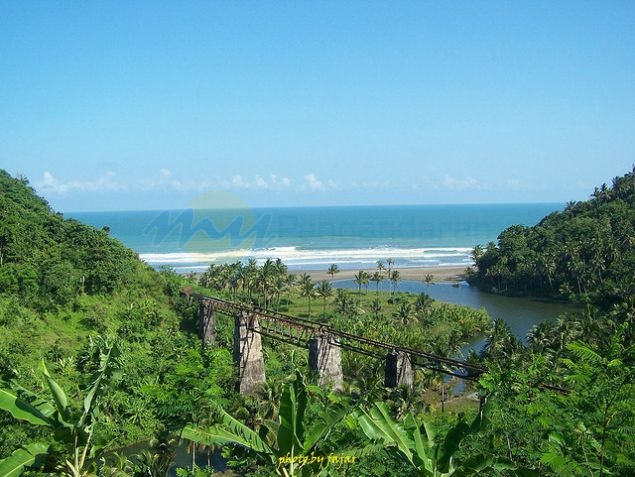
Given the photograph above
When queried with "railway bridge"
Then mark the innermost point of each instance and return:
(324, 343)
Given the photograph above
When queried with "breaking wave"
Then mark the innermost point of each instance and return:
(312, 259)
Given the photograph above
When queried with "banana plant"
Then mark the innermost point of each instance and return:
(72, 430)
(420, 445)
(287, 444)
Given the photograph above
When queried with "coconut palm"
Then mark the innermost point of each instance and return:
(377, 277)
(477, 253)
(333, 269)
(381, 266)
(501, 343)
(325, 290)
(391, 263)
(358, 278)
(365, 278)
(395, 277)
(251, 276)
(541, 336)
(307, 289)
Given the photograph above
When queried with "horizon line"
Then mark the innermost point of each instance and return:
(331, 206)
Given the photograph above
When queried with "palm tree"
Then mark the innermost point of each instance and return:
(541, 336)
(289, 282)
(390, 262)
(234, 283)
(377, 277)
(477, 253)
(395, 276)
(333, 269)
(251, 276)
(501, 343)
(279, 285)
(567, 330)
(267, 275)
(307, 289)
(325, 290)
(358, 279)
(365, 278)
(381, 266)
(280, 267)
(428, 279)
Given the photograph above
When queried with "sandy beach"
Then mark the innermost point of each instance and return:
(439, 274)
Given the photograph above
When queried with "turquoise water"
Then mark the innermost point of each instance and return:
(311, 238)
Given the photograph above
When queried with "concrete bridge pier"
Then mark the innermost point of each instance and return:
(248, 353)
(398, 370)
(207, 322)
(325, 359)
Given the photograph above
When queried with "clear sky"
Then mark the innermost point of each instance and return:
(108, 105)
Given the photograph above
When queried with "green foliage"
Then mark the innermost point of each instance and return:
(287, 444)
(584, 253)
(61, 282)
(585, 424)
(423, 447)
(68, 427)
(27, 456)
(48, 261)
(195, 472)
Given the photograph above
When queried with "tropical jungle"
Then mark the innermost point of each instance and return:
(103, 373)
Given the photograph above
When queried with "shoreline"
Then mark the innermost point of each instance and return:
(439, 274)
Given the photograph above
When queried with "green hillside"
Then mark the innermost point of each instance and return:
(47, 260)
(584, 253)
(67, 292)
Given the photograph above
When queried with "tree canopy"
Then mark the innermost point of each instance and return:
(585, 253)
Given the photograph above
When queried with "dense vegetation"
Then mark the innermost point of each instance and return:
(70, 295)
(99, 351)
(585, 253)
(67, 293)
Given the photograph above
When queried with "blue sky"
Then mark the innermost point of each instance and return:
(109, 105)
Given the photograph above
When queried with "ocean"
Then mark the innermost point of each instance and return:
(312, 238)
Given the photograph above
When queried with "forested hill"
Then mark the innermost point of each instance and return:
(46, 259)
(67, 290)
(584, 253)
